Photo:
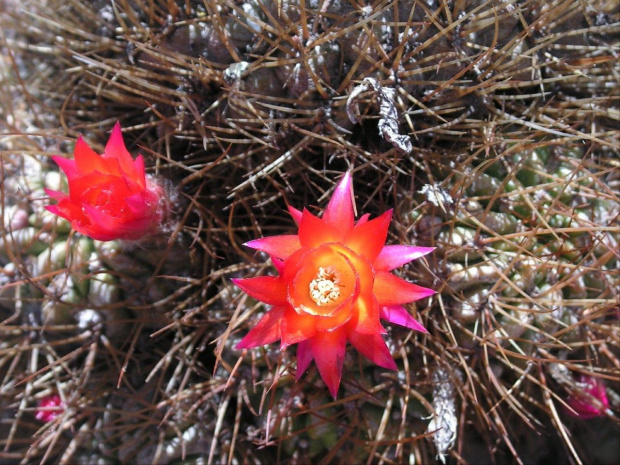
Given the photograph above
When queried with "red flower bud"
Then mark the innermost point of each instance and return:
(49, 408)
(589, 399)
(110, 196)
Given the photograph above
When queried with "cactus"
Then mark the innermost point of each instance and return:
(489, 126)
(74, 322)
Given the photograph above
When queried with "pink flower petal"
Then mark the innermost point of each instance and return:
(101, 226)
(369, 238)
(296, 327)
(56, 195)
(55, 210)
(277, 246)
(296, 214)
(88, 161)
(265, 332)
(314, 231)
(393, 256)
(67, 210)
(328, 349)
(392, 290)
(304, 357)
(339, 211)
(142, 204)
(367, 311)
(67, 166)
(278, 264)
(138, 171)
(397, 314)
(363, 219)
(115, 149)
(104, 226)
(268, 289)
(373, 347)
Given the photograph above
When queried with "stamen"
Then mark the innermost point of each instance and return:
(324, 289)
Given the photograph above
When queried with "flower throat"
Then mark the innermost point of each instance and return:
(324, 289)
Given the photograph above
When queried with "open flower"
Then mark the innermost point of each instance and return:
(110, 196)
(334, 285)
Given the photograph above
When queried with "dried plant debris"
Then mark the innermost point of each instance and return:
(388, 123)
(489, 126)
(444, 422)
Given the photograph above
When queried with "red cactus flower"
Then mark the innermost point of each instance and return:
(110, 196)
(49, 408)
(590, 400)
(333, 286)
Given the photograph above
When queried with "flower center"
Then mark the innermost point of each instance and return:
(324, 289)
(103, 198)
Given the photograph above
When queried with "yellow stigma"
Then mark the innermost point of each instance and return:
(324, 289)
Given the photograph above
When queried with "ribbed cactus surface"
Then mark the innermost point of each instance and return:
(489, 126)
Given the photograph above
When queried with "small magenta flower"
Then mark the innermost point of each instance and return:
(49, 408)
(589, 400)
(110, 196)
(333, 286)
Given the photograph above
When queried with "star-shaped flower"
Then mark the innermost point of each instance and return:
(333, 286)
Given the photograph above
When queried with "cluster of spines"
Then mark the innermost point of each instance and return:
(112, 59)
